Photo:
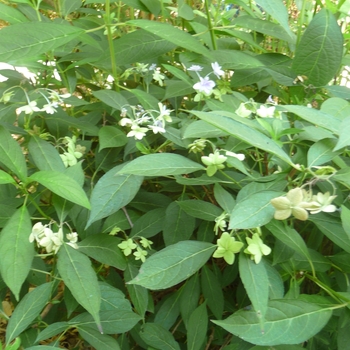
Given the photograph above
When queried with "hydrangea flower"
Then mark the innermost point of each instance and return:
(127, 246)
(195, 68)
(322, 202)
(243, 111)
(266, 112)
(227, 247)
(50, 108)
(256, 248)
(137, 132)
(29, 108)
(214, 162)
(204, 85)
(140, 254)
(217, 70)
(294, 203)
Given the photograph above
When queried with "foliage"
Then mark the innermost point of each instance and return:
(174, 175)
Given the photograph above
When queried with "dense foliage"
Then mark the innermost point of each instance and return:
(174, 174)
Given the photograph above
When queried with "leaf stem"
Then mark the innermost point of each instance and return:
(210, 25)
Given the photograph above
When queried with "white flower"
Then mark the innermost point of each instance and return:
(140, 254)
(164, 113)
(158, 127)
(137, 132)
(243, 111)
(50, 108)
(205, 85)
(322, 202)
(217, 70)
(195, 68)
(153, 66)
(266, 112)
(72, 237)
(126, 122)
(37, 232)
(239, 156)
(29, 108)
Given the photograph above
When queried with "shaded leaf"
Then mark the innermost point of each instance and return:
(158, 337)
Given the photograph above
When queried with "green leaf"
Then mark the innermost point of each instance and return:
(112, 98)
(265, 27)
(276, 287)
(253, 211)
(244, 133)
(97, 340)
(344, 135)
(316, 117)
(111, 136)
(212, 292)
(112, 322)
(63, 185)
(158, 337)
(321, 152)
(16, 251)
(172, 34)
(6, 178)
(197, 328)
(39, 38)
(234, 59)
(52, 330)
(286, 322)
(289, 236)
(149, 224)
(201, 129)
(103, 248)
(138, 294)
(177, 225)
(256, 283)
(45, 156)
(173, 264)
(11, 154)
(224, 198)
(320, 51)
(112, 192)
(113, 299)
(278, 10)
(138, 46)
(11, 15)
(161, 164)
(200, 209)
(79, 276)
(169, 311)
(332, 228)
(69, 6)
(345, 219)
(27, 310)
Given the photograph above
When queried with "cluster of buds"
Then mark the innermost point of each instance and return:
(299, 203)
(129, 245)
(73, 153)
(142, 120)
(144, 70)
(51, 241)
(205, 86)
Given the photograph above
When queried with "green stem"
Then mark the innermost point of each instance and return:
(210, 25)
(110, 44)
(301, 21)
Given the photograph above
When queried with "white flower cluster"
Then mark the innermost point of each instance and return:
(53, 101)
(129, 245)
(73, 153)
(51, 241)
(205, 86)
(298, 202)
(145, 120)
(246, 109)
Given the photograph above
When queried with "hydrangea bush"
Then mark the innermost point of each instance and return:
(174, 175)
